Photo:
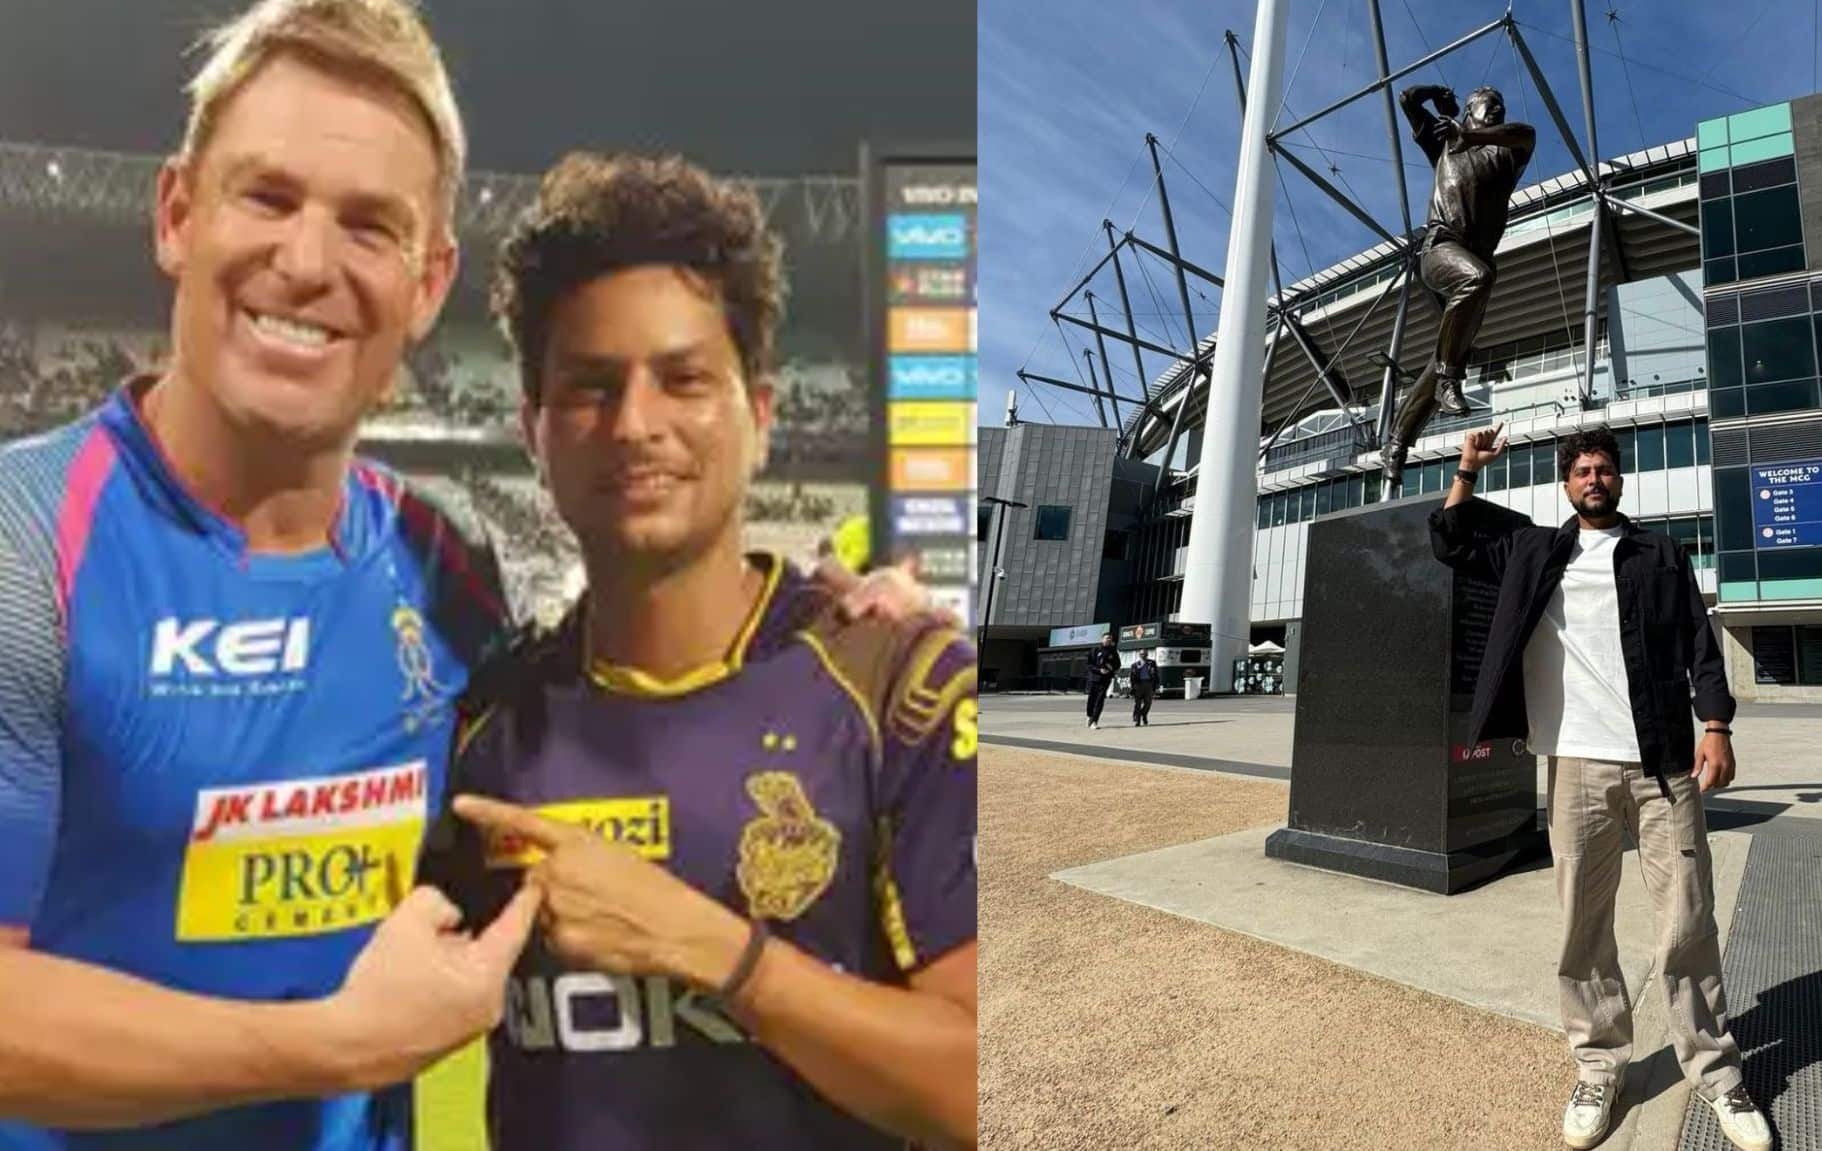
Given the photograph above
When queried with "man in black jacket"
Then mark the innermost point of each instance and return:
(1599, 632)
(1144, 687)
(1103, 662)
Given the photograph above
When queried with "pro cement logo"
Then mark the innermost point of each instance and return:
(301, 857)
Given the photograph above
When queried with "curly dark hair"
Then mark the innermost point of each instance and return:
(1587, 441)
(598, 214)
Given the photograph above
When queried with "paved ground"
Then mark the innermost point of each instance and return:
(1149, 980)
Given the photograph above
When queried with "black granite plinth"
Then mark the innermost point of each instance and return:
(1383, 783)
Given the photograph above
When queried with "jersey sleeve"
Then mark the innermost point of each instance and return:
(925, 873)
(31, 690)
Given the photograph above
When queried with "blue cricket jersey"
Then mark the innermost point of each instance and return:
(207, 756)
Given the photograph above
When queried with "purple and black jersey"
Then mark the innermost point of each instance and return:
(821, 777)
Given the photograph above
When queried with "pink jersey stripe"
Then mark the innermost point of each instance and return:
(88, 474)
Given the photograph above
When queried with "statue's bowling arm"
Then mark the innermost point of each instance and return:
(1521, 138)
(1423, 124)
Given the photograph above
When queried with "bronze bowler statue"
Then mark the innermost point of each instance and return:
(1478, 161)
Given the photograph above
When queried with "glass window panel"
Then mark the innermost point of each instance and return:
(1768, 174)
(1711, 133)
(1727, 403)
(1435, 473)
(1493, 476)
(1714, 160)
(1789, 396)
(1758, 122)
(1325, 499)
(1701, 443)
(1774, 262)
(1356, 484)
(1683, 530)
(1756, 150)
(1724, 370)
(1715, 184)
(1053, 522)
(1809, 654)
(1717, 229)
(1629, 460)
(1371, 486)
(1738, 567)
(1778, 350)
(1649, 443)
(1774, 655)
(1720, 271)
(1520, 467)
(1308, 502)
(1679, 445)
(1767, 219)
(1733, 508)
(1265, 511)
(1790, 563)
(1543, 462)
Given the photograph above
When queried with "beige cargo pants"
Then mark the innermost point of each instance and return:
(1592, 804)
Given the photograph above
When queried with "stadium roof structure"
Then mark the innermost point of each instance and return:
(1543, 268)
(1605, 222)
(46, 184)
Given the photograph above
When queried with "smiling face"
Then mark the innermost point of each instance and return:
(308, 250)
(646, 429)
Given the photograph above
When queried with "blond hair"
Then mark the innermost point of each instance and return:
(380, 40)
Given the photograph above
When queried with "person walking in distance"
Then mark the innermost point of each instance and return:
(1599, 649)
(1144, 687)
(1103, 662)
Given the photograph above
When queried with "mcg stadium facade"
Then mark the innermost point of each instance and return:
(1705, 366)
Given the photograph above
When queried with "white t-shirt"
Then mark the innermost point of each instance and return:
(1576, 695)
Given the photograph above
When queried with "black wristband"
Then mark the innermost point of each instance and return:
(745, 965)
(1717, 731)
(1466, 476)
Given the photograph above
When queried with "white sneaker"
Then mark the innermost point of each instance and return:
(1742, 1121)
(1096, 725)
(1590, 1110)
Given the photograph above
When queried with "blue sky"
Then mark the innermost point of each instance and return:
(1068, 89)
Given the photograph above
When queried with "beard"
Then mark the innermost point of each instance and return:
(1596, 503)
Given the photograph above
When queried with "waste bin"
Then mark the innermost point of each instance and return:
(1192, 687)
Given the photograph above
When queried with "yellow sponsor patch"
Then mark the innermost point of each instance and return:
(639, 822)
(300, 857)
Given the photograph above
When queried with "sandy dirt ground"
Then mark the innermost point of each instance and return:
(1108, 1025)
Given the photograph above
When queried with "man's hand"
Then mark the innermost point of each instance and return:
(422, 988)
(1481, 447)
(892, 593)
(1448, 129)
(607, 909)
(1713, 761)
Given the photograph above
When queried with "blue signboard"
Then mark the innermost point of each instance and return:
(1787, 505)
(927, 236)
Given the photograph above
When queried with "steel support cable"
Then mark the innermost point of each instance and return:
(1626, 71)
(1549, 233)
(1292, 80)
(1649, 66)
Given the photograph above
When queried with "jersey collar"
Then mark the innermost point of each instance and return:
(624, 680)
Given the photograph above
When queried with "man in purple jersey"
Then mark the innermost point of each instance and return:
(752, 824)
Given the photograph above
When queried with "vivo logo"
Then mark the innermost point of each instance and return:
(254, 647)
(923, 236)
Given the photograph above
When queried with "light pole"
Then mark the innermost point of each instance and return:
(993, 569)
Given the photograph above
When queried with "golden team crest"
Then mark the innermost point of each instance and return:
(787, 852)
(423, 694)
